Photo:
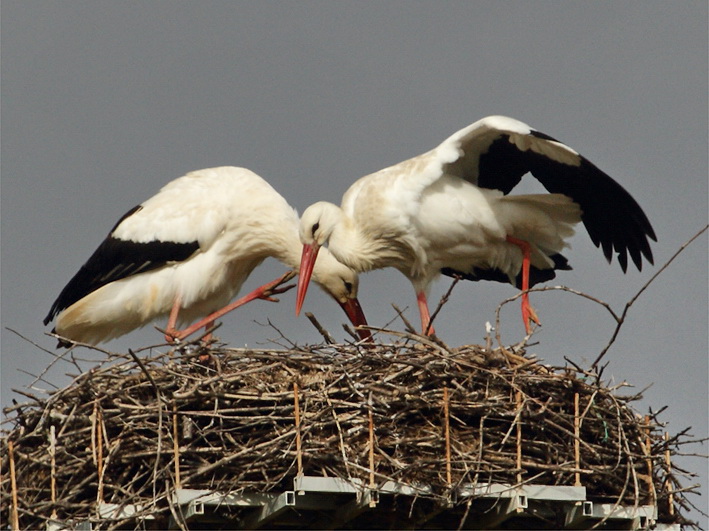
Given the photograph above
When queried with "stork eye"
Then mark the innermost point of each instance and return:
(348, 286)
(316, 227)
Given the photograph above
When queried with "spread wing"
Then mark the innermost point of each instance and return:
(497, 151)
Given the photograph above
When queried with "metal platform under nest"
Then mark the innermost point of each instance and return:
(334, 503)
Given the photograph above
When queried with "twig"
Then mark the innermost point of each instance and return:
(324, 333)
(15, 517)
(371, 443)
(98, 450)
(345, 461)
(176, 446)
(429, 342)
(618, 318)
(57, 357)
(159, 402)
(648, 461)
(53, 471)
(298, 450)
(446, 424)
(667, 482)
(401, 315)
(577, 442)
(621, 319)
(518, 420)
(291, 343)
(441, 304)
(147, 374)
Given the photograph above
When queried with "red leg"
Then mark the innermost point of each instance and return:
(265, 292)
(528, 313)
(171, 333)
(426, 327)
(207, 337)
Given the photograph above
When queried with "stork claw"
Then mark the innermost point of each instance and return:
(529, 315)
(268, 292)
(171, 334)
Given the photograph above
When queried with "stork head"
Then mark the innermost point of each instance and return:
(318, 221)
(316, 226)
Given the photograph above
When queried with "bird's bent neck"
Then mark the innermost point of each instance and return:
(288, 250)
(363, 251)
(277, 238)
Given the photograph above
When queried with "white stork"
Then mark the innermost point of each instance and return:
(186, 252)
(446, 211)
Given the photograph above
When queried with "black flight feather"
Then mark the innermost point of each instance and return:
(613, 219)
(536, 275)
(116, 259)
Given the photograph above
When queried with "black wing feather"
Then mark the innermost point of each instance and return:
(613, 219)
(536, 275)
(116, 259)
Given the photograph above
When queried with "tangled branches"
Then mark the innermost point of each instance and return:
(251, 420)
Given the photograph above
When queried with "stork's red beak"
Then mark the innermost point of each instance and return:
(356, 316)
(307, 263)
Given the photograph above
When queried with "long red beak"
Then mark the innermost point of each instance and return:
(356, 316)
(307, 263)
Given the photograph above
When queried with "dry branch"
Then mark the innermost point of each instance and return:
(250, 420)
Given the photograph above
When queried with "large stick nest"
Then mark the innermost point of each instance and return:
(229, 421)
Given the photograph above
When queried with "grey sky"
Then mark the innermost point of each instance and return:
(105, 102)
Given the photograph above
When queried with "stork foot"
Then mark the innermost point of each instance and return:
(275, 287)
(172, 335)
(529, 316)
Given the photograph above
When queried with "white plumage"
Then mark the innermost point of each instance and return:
(446, 211)
(191, 246)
